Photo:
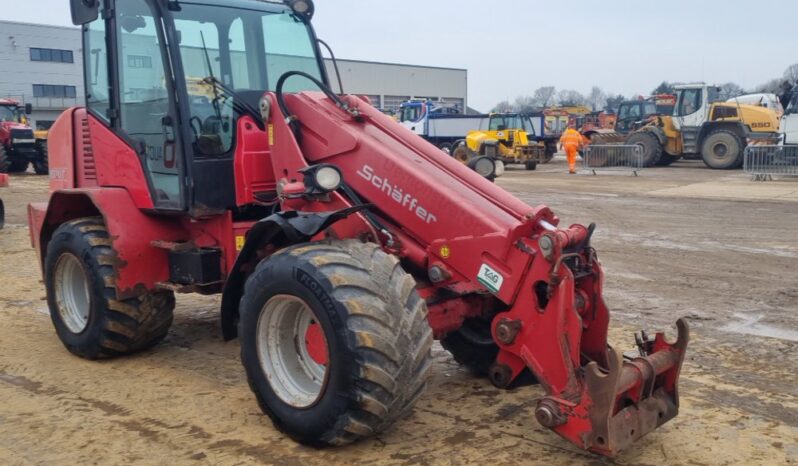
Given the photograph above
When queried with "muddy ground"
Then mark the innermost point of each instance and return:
(678, 241)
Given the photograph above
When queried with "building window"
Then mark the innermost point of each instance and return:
(375, 100)
(139, 61)
(56, 91)
(52, 55)
(391, 103)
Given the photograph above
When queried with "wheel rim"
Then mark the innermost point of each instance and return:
(720, 150)
(72, 293)
(292, 350)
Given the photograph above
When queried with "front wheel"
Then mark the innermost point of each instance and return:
(649, 145)
(41, 165)
(81, 294)
(722, 150)
(334, 340)
(531, 165)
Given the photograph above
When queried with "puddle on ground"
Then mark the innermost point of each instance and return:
(749, 325)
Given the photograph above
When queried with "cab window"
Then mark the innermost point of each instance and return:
(412, 113)
(689, 102)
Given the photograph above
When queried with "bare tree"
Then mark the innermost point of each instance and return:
(569, 97)
(614, 102)
(597, 99)
(544, 96)
(730, 90)
(771, 87)
(664, 88)
(525, 104)
(791, 74)
(503, 107)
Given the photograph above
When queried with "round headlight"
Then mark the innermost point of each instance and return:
(499, 168)
(484, 166)
(328, 178)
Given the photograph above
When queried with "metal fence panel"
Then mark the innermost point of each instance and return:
(613, 157)
(765, 162)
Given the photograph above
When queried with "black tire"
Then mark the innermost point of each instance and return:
(2, 214)
(377, 337)
(722, 150)
(531, 165)
(652, 149)
(472, 346)
(667, 160)
(114, 327)
(5, 161)
(42, 163)
(551, 151)
(18, 166)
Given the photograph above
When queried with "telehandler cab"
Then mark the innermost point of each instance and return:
(341, 242)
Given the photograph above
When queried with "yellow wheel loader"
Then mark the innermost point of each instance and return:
(507, 139)
(701, 125)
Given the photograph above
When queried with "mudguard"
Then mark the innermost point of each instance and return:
(280, 230)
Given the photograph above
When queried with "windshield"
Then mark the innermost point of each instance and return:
(412, 113)
(246, 50)
(792, 107)
(9, 113)
(509, 122)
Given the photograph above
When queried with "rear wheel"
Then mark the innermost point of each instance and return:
(472, 345)
(531, 165)
(652, 149)
(41, 164)
(88, 318)
(334, 340)
(722, 150)
(5, 161)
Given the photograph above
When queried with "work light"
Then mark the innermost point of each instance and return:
(322, 179)
(302, 8)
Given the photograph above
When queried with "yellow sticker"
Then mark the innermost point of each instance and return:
(239, 243)
(445, 252)
(271, 135)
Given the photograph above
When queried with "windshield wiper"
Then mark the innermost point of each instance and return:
(239, 104)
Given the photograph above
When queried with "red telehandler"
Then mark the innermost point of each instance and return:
(341, 242)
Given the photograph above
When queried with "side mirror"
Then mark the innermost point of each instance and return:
(28, 109)
(84, 11)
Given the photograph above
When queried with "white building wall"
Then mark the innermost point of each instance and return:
(394, 82)
(18, 73)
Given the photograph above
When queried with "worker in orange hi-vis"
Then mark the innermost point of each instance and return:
(571, 142)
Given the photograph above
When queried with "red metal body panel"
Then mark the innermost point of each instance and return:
(119, 164)
(254, 172)
(3, 180)
(61, 151)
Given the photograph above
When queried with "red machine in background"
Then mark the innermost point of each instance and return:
(18, 145)
(341, 242)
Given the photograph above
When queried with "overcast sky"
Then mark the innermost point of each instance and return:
(511, 47)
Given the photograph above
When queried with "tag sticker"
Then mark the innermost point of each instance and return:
(490, 278)
(239, 243)
(271, 135)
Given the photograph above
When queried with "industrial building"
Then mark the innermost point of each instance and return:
(42, 65)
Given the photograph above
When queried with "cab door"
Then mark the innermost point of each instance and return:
(147, 111)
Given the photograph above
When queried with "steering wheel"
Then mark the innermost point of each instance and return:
(198, 130)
